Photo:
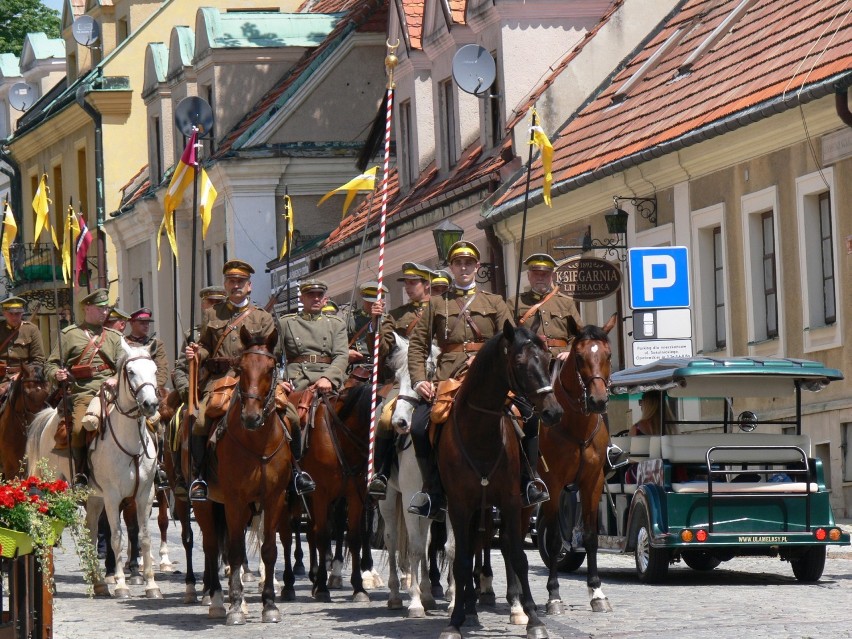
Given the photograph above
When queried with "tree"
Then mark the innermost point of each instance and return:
(20, 17)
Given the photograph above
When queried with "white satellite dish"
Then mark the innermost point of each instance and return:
(22, 96)
(474, 70)
(86, 31)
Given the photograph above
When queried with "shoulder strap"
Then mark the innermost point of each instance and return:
(230, 327)
(359, 334)
(531, 311)
(418, 313)
(91, 349)
(6, 341)
(465, 312)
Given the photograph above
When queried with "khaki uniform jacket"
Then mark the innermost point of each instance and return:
(180, 374)
(399, 320)
(159, 356)
(75, 338)
(551, 318)
(365, 341)
(26, 347)
(444, 322)
(214, 322)
(321, 335)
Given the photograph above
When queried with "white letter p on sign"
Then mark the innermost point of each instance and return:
(654, 282)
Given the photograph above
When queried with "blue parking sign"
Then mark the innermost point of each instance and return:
(659, 277)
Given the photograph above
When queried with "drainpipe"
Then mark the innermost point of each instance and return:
(841, 105)
(498, 275)
(15, 176)
(100, 204)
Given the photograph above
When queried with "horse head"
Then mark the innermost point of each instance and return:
(256, 369)
(407, 398)
(34, 386)
(138, 371)
(528, 360)
(586, 373)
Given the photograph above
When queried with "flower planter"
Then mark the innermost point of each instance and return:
(12, 540)
(58, 527)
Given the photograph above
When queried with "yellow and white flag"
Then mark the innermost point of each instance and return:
(181, 179)
(288, 215)
(69, 236)
(10, 232)
(206, 198)
(364, 182)
(41, 206)
(539, 139)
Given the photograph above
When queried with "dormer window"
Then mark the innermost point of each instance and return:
(448, 124)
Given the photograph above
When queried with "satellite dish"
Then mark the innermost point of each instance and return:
(474, 69)
(22, 96)
(194, 112)
(86, 31)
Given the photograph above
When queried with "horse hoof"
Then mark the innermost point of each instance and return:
(601, 605)
(438, 592)
(205, 601)
(167, 567)
(136, 580)
(216, 612)
(335, 582)
(518, 618)
(235, 618)
(323, 596)
(395, 603)
(429, 604)
(299, 569)
(248, 577)
(367, 581)
(361, 597)
(288, 594)
(450, 632)
(416, 613)
(271, 614)
(153, 593)
(110, 579)
(555, 607)
(122, 593)
(487, 599)
(101, 590)
(190, 598)
(537, 632)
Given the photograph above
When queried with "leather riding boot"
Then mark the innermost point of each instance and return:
(302, 482)
(81, 466)
(180, 481)
(533, 489)
(432, 497)
(378, 487)
(198, 448)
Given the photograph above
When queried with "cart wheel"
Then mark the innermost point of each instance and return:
(809, 566)
(700, 560)
(652, 564)
(565, 561)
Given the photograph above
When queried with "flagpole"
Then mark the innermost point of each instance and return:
(71, 253)
(194, 242)
(360, 259)
(390, 64)
(524, 219)
(287, 246)
(74, 273)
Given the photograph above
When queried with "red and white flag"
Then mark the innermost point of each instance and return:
(84, 239)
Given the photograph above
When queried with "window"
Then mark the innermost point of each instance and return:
(157, 157)
(770, 282)
(406, 156)
(208, 267)
(139, 289)
(122, 30)
(493, 113)
(846, 445)
(448, 125)
(709, 279)
(224, 253)
(718, 289)
(826, 242)
(82, 181)
(59, 205)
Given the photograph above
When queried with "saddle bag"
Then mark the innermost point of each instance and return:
(220, 396)
(281, 397)
(444, 398)
(304, 407)
(82, 371)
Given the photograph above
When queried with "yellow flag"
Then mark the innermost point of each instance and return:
(10, 232)
(41, 205)
(206, 198)
(67, 240)
(181, 179)
(364, 182)
(539, 139)
(159, 237)
(288, 215)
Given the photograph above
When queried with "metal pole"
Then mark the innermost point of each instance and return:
(524, 219)
(194, 243)
(287, 246)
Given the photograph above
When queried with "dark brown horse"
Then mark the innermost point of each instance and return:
(27, 395)
(479, 461)
(575, 455)
(253, 465)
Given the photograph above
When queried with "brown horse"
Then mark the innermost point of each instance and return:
(252, 465)
(575, 453)
(479, 461)
(27, 395)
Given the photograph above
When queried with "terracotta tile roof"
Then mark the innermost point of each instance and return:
(368, 15)
(457, 8)
(472, 169)
(770, 54)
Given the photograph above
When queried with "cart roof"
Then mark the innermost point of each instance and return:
(724, 376)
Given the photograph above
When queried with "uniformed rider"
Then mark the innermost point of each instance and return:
(461, 321)
(20, 343)
(363, 326)
(544, 310)
(440, 283)
(86, 360)
(117, 319)
(401, 320)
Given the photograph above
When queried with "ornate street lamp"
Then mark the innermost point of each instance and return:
(446, 234)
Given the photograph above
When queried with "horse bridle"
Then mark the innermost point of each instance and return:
(582, 403)
(134, 391)
(270, 396)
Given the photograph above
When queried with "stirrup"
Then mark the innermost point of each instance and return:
(535, 484)
(616, 457)
(303, 483)
(378, 488)
(81, 480)
(426, 509)
(198, 490)
(162, 479)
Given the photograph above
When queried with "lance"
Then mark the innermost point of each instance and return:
(287, 246)
(524, 219)
(194, 238)
(390, 64)
(3, 223)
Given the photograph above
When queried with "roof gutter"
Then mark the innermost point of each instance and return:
(835, 84)
(841, 106)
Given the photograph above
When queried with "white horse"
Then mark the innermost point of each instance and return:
(122, 460)
(406, 535)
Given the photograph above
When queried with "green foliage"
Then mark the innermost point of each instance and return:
(20, 17)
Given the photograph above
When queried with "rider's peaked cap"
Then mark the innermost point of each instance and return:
(142, 315)
(116, 313)
(441, 278)
(370, 291)
(14, 304)
(330, 307)
(312, 285)
(413, 271)
(212, 293)
(462, 248)
(540, 262)
(98, 297)
(237, 268)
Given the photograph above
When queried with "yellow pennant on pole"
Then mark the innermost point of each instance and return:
(41, 206)
(10, 232)
(539, 139)
(364, 182)
(69, 236)
(288, 215)
(206, 198)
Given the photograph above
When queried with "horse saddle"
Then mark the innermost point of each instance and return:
(445, 396)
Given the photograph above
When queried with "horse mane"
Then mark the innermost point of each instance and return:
(592, 332)
(358, 398)
(34, 431)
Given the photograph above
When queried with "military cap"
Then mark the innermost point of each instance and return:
(413, 271)
(330, 307)
(142, 315)
(116, 313)
(14, 304)
(370, 291)
(98, 297)
(540, 262)
(312, 285)
(212, 293)
(462, 248)
(237, 268)
(441, 278)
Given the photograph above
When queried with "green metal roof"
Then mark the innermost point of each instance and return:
(44, 47)
(186, 44)
(241, 29)
(10, 65)
(160, 57)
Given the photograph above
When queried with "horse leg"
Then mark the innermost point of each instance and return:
(321, 540)
(298, 553)
(514, 544)
(437, 539)
(166, 564)
(285, 533)
(269, 554)
(549, 528)
(487, 597)
(390, 509)
(131, 521)
(370, 578)
(143, 511)
(335, 580)
(462, 572)
(211, 520)
(517, 617)
(420, 587)
(114, 518)
(186, 537)
(590, 496)
(354, 538)
(236, 516)
(94, 509)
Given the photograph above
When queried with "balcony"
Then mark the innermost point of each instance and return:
(34, 275)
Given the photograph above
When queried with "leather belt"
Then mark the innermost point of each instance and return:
(102, 367)
(311, 359)
(467, 347)
(554, 342)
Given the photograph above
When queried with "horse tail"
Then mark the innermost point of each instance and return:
(438, 542)
(34, 433)
(402, 546)
(253, 540)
